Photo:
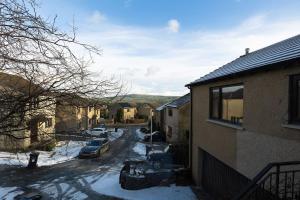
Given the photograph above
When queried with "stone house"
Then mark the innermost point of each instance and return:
(177, 120)
(76, 114)
(144, 110)
(122, 112)
(34, 123)
(246, 115)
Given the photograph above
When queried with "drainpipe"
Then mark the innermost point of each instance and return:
(191, 130)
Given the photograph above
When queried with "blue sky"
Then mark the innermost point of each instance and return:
(157, 46)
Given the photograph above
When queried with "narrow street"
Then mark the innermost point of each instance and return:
(68, 180)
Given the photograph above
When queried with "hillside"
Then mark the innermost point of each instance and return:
(155, 100)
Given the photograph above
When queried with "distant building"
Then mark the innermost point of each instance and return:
(122, 112)
(76, 114)
(177, 120)
(144, 110)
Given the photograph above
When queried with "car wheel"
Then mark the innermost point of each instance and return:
(156, 164)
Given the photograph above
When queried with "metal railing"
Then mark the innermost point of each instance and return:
(276, 181)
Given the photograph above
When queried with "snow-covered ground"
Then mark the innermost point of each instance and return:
(140, 134)
(115, 135)
(113, 188)
(8, 193)
(140, 148)
(64, 151)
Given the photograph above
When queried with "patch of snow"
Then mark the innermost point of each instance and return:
(8, 193)
(109, 185)
(140, 134)
(140, 148)
(115, 135)
(60, 191)
(63, 152)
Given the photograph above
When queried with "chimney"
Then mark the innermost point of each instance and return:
(247, 51)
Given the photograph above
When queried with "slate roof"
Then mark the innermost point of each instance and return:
(180, 101)
(282, 51)
(125, 105)
(160, 108)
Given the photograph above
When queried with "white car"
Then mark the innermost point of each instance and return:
(97, 132)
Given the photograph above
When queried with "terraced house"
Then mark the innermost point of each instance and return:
(76, 114)
(177, 117)
(245, 115)
(33, 120)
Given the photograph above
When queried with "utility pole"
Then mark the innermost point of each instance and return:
(151, 129)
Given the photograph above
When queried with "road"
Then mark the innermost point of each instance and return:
(70, 173)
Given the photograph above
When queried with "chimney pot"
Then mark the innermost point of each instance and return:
(247, 51)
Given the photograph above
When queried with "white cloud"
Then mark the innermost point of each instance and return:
(97, 17)
(173, 25)
(155, 63)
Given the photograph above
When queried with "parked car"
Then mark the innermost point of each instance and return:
(94, 148)
(102, 126)
(156, 137)
(139, 174)
(99, 132)
(161, 157)
(144, 130)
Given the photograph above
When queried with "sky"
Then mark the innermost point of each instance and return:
(158, 46)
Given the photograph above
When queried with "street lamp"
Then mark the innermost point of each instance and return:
(151, 125)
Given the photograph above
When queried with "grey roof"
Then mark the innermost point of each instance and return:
(282, 51)
(125, 105)
(180, 101)
(160, 108)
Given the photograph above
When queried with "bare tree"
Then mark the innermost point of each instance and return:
(38, 64)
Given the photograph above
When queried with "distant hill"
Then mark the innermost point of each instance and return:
(155, 100)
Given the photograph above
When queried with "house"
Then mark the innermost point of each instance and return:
(245, 115)
(122, 112)
(177, 120)
(33, 120)
(144, 111)
(74, 114)
(160, 118)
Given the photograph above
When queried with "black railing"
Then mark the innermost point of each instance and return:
(277, 181)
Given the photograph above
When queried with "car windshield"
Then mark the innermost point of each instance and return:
(94, 143)
(167, 149)
(97, 129)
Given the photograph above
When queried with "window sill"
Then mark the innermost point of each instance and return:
(225, 124)
(291, 126)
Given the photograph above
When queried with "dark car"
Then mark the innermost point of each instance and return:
(161, 157)
(94, 148)
(156, 137)
(139, 174)
(145, 130)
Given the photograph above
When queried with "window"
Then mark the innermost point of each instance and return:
(169, 133)
(48, 122)
(226, 103)
(295, 99)
(170, 112)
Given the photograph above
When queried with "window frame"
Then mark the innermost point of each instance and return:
(170, 112)
(220, 105)
(293, 96)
